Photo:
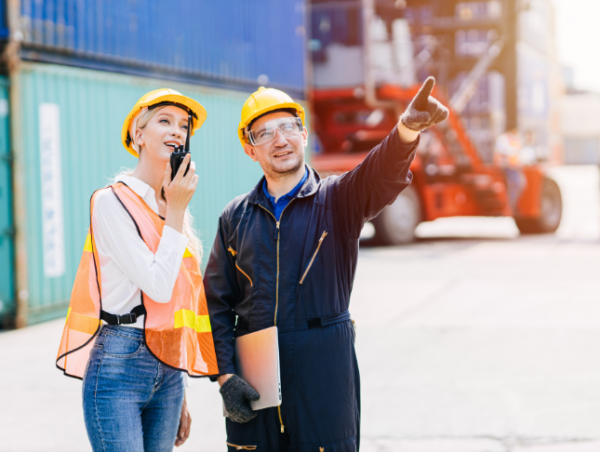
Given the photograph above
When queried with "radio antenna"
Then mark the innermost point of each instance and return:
(189, 132)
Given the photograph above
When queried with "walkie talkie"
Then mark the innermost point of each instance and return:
(180, 152)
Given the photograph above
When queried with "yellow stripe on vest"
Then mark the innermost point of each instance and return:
(82, 323)
(88, 243)
(187, 253)
(68, 312)
(185, 317)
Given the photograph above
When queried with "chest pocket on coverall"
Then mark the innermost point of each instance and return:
(315, 271)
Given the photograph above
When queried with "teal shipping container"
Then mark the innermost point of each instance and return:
(68, 144)
(7, 299)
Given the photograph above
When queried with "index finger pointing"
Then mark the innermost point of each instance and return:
(422, 96)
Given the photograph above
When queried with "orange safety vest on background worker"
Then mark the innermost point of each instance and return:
(177, 333)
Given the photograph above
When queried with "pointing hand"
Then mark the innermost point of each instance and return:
(424, 111)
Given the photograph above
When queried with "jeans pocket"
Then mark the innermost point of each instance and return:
(121, 346)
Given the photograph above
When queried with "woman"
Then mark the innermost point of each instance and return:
(138, 291)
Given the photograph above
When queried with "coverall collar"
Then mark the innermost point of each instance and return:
(309, 188)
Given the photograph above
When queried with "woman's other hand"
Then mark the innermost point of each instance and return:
(185, 423)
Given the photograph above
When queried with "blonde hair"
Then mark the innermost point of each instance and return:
(194, 244)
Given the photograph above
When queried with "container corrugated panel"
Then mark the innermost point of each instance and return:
(4, 31)
(489, 95)
(226, 42)
(7, 304)
(533, 69)
(92, 106)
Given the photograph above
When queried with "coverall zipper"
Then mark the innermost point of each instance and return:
(314, 255)
(277, 223)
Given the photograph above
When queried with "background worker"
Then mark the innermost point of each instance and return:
(507, 154)
(285, 254)
(139, 274)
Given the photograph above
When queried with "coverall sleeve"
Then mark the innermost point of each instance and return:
(222, 295)
(362, 193)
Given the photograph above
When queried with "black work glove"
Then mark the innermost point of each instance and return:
(237, 394)
(424, 111)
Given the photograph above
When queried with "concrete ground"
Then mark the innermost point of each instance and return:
(473, 339)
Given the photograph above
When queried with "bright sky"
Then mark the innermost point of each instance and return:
(578, 39)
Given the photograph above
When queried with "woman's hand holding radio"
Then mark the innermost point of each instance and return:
(179, 192)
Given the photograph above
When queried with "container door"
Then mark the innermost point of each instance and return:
(7, 305)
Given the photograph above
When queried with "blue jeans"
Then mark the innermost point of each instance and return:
(514, 187)
(131, 401)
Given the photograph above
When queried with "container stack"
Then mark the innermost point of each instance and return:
(473, 27)
(337, 44)
(539, 80)
(520, 85)
(80, 68)
(484, 115)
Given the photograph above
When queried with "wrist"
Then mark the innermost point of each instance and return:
(223, 378)
(174, 218)
(406, 135)
(175, 210)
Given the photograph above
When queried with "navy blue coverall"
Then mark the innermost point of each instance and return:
(297, 273)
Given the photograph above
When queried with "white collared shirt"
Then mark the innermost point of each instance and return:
(127, 265)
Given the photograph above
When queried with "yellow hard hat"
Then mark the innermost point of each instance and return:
(154, 98)
(263, 101)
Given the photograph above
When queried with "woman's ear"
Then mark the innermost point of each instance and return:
(139, 137)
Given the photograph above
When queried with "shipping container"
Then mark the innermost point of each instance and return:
(227, 43)
(536, 26)
(479, 10)
(69, 145)
(489, 95)
(4, 31)
(338, 58)
(7, 299)
(534, 102)
(484, 115)
(473, 43)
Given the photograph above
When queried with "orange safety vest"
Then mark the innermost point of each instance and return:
(177, 333)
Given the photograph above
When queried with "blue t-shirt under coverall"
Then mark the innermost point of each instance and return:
(285, 199)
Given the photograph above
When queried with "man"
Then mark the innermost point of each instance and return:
(285, 254)
(507, 155)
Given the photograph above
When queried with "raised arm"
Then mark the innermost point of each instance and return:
(363, 192)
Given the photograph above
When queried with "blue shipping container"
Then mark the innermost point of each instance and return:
(4, 31)
(226, 43)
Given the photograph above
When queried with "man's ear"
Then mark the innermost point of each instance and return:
(249, 150)
(304, 137)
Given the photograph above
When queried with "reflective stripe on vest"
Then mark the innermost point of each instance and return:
(177, 333)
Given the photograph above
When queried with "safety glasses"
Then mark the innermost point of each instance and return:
(266, 132)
